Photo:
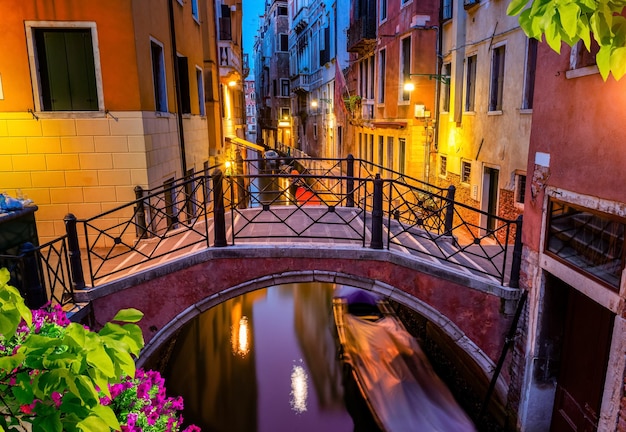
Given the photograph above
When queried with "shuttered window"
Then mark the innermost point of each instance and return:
(66, 69)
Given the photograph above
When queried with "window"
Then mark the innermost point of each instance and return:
(283, 42)
(225, 30)
(383, 10)
(315, 130)
(520, 188)
(405, 62)
(200, 85)
(447, 10)
(470, 84)
(466, 171)
(401, 155)
(284, 87)
(382, 70)
(370, 149)
(282, 10)
(194, 9)
(580, 57)
(443, 165)
(445, 103)
(390, 153)
(529, 73)
(66, 82)
(381, 144)
(497, 79)
(183, 79)
(158, 77)
(285, 113)
(588, 241)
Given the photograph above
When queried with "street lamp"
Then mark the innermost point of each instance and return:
(444, 79)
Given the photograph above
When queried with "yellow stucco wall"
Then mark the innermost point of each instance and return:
(88, 162)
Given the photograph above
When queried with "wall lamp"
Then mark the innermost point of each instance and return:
(444, 79)
(314, 102)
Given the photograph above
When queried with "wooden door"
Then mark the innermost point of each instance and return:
(586, 343)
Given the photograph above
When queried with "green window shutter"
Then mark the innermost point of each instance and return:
(66, 70)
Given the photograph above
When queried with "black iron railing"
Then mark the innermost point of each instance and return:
(42, 273)
(346, 201)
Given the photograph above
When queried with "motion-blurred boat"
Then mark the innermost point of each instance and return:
(390, 369)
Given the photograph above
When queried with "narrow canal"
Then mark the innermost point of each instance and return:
(266, 361)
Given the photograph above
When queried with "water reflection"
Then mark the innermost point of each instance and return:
(299, 388)
(265, 361)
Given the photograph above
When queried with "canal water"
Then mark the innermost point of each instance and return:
(265, 361)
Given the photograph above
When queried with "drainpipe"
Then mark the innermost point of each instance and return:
(179, 103)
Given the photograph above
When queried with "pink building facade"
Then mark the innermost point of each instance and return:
(573, 234)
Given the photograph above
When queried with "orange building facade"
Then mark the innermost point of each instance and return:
(99, 97)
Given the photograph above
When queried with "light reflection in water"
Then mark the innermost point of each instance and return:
(299, 389)
(240, 337)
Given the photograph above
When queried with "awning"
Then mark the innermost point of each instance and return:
(244, 143)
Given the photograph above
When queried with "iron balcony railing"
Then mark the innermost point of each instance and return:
(289, 199)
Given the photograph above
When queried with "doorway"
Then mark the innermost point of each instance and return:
(584, 329)
(490, 198)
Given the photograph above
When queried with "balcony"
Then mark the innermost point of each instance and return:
(301, 83)
(301, 20)
(229, 59)
(362, 35)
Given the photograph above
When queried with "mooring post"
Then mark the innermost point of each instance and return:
(377, 214)
(33, 290)
(516, 264)
(140, 213)
(219, 221)
(76, 265)
(449, 218)
(350, 181)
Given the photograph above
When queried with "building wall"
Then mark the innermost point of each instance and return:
(483, 138)
(575, 156)
(86, 162)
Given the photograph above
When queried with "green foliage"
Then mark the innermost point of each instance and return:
(570, 21)
(52, 375)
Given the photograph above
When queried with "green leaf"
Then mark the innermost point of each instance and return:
(107, 414)
(618, 62)
(515, 7)
(603, 60)
(569, 14)
(9, 363)
(99, 359)
(128, 315)
(553, 38)
(93, 424)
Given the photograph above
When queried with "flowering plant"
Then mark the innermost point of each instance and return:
(55, 375)
(141, 404)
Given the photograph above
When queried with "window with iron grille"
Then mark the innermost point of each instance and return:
(443, 165)
(589, 241)
(466, 171)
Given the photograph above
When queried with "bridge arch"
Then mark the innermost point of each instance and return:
(443, 323)
(474, 313)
